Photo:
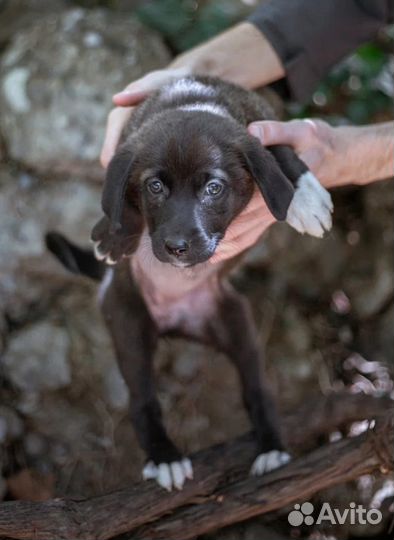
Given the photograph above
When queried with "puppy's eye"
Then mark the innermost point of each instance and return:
(213, 188)
(155, 186)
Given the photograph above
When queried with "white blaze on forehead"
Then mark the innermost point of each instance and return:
(206, 107)
(187, 86)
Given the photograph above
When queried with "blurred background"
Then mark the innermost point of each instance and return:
(325, 309)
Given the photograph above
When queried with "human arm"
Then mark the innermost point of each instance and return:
(222, 56)
(336, 155)
(310, 37)
(300, 39)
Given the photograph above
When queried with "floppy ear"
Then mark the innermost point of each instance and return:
(116, 235)
(275, 187)
(115, 186)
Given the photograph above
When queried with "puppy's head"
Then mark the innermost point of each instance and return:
(188, 175)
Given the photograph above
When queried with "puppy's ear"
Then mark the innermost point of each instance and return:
(115, 186)
(275, 187)
(117, 234)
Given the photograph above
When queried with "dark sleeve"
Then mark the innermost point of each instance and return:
(310, 36)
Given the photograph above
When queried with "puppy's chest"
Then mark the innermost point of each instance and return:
(178, 299)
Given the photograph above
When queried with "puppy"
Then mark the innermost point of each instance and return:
(184, 169)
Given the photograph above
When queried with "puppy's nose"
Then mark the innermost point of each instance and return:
(176, 246)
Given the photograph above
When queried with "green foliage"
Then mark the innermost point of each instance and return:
(360, 89)
(186, 23)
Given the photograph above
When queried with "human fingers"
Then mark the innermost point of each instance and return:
(116, 121)
(296, 133)
(140, 89)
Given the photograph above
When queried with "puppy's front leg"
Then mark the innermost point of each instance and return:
(110, 246)
(134, 336)
(235, 334)
(311, 207)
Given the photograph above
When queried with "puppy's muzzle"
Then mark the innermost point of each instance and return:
(177, 247)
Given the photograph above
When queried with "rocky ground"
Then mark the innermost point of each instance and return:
(325, 309)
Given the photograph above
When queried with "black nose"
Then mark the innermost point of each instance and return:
(176, 246)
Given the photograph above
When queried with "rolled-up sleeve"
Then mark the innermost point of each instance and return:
(310, 36)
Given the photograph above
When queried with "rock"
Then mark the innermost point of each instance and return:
(11, 425)
(187, 362)
(297, 331)
(34, 444)
(114, 388)
(57, 77)
(3, 487)
(36, 358)
(370, 294)
(3, 329)
(29, 274)
(18, 14)
(386, 336)
(3, 429)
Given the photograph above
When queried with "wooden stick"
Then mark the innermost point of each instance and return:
(326, 467)
(222, 492)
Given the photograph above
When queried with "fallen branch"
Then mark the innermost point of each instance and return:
(222, 493)
(326, 467)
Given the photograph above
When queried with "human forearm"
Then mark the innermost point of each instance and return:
(241, 55)
(310, 37)
(369, 153)
(336, 155)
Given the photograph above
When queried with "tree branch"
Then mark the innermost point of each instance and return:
(326, 467)
(222, 492)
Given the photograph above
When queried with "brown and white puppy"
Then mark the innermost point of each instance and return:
(185, 168)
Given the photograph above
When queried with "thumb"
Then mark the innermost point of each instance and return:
(140, 89)
(129, 96)
(271, 132)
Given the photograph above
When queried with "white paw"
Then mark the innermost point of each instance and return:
(311, 207)
(169, 475)
(268, 462)
(100, 256)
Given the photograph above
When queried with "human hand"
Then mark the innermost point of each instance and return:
(313, 147)
(223, 56)
(125, 101)
(245, 230)
(337, 156)
(321, 147)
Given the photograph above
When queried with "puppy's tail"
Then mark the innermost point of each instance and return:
(76, 259)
